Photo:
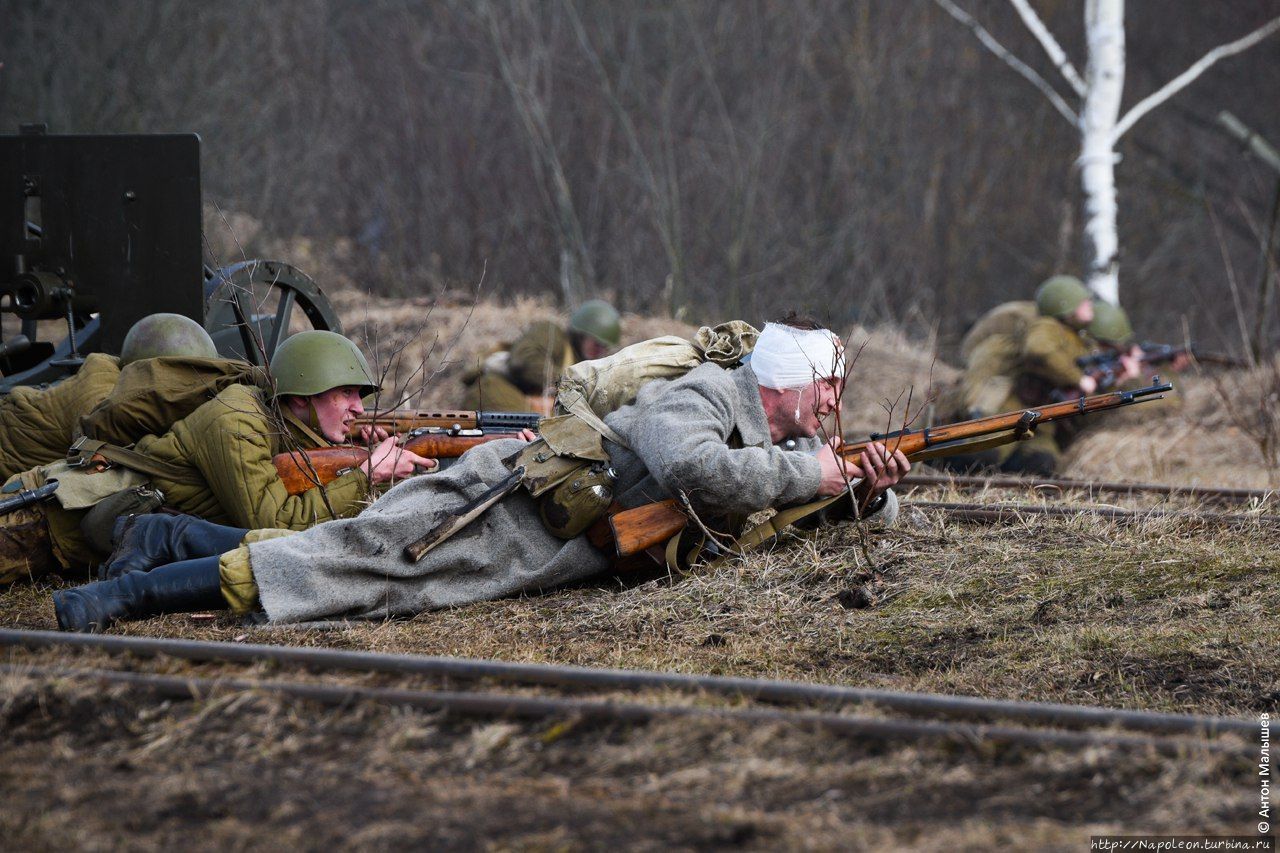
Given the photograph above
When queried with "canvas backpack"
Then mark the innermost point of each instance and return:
(567, 468)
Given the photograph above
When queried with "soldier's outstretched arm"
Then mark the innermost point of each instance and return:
(682, 436)
(238, 467)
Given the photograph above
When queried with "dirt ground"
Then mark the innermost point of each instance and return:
(1165, 615)
(110, 770)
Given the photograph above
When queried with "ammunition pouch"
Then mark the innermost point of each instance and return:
(576, 504)
(82, 485)
(109, 481)
(567, 472)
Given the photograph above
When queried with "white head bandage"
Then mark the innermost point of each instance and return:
(786, 357)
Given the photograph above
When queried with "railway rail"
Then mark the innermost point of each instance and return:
(960, 481)
(951, 716)
(992, 513)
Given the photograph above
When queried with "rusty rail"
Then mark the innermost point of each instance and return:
(978, 482)
(964, 707)
(991, 513)
(538, 707)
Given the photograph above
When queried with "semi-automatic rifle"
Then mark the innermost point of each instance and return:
(406, 420)
(435, 435)
(632, 531)
(1105, 366)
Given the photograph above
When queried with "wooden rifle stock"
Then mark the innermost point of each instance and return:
(301, 470)
(635, 530)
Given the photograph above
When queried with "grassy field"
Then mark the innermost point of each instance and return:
(1160, 616)
(1164, 614)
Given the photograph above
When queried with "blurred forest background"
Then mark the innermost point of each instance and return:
(869, 161)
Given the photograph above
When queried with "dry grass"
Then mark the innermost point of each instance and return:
(1155, 616)
(1207, 434)
(1159, 615)
(426, 344)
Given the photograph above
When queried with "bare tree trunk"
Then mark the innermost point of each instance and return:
(577, 275)
(1104, 84)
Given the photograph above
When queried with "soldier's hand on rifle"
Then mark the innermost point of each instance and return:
(880, 469)
(526, 435)
(373, 434)
(1132, 367)
(836, 473)
(1088, 384)
(390, 461)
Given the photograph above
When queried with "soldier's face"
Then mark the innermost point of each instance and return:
(593, 349)
(1083, 315)
(817, 401)
(799, 413)
(335, 409)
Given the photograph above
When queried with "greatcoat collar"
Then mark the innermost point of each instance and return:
(752, 426)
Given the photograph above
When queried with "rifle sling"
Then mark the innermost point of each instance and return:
(971, 445)
(455, 521)
(85, 449)
(769, 529)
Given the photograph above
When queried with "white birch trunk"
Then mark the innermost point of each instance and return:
(1099, 122)
(1104, 84)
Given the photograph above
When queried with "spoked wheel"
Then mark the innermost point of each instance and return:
(250, 307)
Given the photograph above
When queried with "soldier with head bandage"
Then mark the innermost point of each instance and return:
(787, 357)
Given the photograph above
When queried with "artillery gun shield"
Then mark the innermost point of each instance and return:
(96, 232)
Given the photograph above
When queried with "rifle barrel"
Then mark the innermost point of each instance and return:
(405, 420)
(915, 441)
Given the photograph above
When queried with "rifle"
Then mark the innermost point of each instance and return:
(303, 469)
(406, 420)
(1105, 366)
(644, 527)
(26, 497)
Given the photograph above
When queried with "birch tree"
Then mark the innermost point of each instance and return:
(1096, 115)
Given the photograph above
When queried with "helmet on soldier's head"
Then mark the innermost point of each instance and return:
(1060, 295)
(1110, 324)
(161, 335)
(598, 319)
(314, 362)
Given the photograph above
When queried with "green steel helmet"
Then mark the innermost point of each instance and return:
(314, 362)
(1110, 324)
(1060, 295)
(158, 335)
(600, 320)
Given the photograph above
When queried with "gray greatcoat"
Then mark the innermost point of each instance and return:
(704, 434)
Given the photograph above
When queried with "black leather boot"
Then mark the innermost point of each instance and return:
(176, 588)
(146, 541)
